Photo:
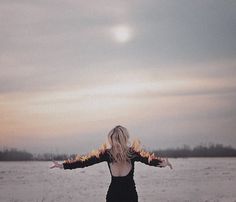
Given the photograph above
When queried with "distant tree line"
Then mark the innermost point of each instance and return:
(19, 155)
(15, 155)
(211, 150)
(51, 156)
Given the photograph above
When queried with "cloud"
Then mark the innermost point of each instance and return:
(186, 30)
(59, 60)
(56, 43)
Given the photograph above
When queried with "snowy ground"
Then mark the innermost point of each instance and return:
(192, 179)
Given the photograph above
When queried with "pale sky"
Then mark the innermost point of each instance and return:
(71, 70)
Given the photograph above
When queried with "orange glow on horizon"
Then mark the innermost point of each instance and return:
(82, 110)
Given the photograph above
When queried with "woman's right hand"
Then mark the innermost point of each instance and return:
(56, 165)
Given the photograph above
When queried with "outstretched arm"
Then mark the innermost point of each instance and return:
(82, 161)
(150, 159)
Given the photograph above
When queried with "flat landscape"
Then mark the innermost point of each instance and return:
(192, 179)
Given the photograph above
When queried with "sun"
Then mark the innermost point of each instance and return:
(122, 33)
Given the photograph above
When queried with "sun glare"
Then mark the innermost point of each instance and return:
(122, 33)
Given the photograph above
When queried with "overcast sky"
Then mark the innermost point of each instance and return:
(71, 70)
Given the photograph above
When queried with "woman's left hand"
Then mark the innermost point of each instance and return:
(165, 162)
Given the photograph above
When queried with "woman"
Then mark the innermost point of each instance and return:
(120, 159)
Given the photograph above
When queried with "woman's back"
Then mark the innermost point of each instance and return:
(120, 169)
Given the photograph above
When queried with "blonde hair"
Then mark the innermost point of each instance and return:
(120, 149)
(118, 139)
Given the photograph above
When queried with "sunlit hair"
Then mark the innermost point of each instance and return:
(118, 139)
(120, 149)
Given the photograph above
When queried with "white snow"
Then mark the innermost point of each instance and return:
(192, 179)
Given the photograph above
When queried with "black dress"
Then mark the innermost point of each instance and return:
(122, 188)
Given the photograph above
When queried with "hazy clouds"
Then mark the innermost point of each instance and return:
(62, 72)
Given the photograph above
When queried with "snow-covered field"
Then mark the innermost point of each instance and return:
(192, 179)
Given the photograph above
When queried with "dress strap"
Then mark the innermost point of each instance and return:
(109, 167)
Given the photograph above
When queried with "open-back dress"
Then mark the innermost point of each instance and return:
(122, 188)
